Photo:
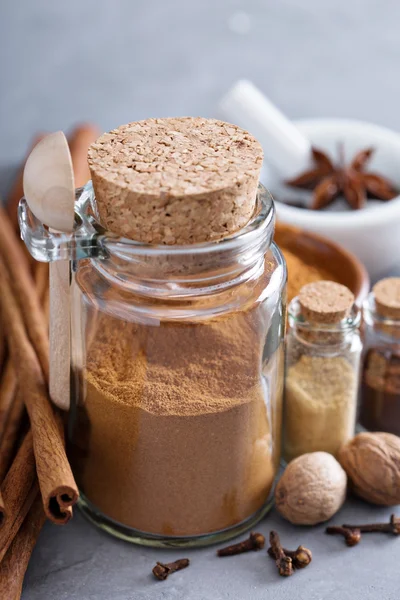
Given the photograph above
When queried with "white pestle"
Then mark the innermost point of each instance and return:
(49, 189)
(286, 150)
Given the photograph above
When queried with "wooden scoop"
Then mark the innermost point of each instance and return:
(49, 189)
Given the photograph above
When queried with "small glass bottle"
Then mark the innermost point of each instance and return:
(322, 370)
(380, 389)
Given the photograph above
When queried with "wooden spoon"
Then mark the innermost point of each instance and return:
(49, 189)
(48, 182)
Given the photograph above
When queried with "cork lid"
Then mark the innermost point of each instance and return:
(325, 302)
(387, 297)
(176, 180)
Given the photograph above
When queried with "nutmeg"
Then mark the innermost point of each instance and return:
(372, 462)
(311, 489)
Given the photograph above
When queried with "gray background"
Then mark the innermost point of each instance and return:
(122, 60)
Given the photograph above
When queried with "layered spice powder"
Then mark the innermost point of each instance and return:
(182, 434)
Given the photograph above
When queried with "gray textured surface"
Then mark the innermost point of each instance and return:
(78, 562)
(112, 62)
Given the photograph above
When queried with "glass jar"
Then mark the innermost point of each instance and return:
(380, 386)
(176, 376)
(321, 383)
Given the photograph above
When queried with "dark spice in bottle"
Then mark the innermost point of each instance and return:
(380, 385)
(380, 408)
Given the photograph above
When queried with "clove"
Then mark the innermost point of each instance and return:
(392, 527)
(283, 562)
(161, 571)
(352, 536)
(301, 557)
(256, 541)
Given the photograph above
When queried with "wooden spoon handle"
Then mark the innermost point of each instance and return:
(60, 331)
(60, 336)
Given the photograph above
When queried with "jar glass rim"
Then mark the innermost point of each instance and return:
(89, 239)
(254, 232)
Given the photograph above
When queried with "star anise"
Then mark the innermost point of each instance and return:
(329, 180)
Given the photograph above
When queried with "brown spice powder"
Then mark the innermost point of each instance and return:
(301, 273)
(183, 434)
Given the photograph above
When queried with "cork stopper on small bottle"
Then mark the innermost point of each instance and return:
(175, 181)
(325, 302)
(387, 297)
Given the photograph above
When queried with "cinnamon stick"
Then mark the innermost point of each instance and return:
(24, 288)
(8, 386)
(57, 484)
(12, 410)
(15, 562)
(41, 277)
(3, 346)
(3, 510)
(7, 430)
(18, 491)
(8, 441)
(46, 304)
(79, 142)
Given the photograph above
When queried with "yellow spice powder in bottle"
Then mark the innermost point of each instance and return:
(322, 370)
